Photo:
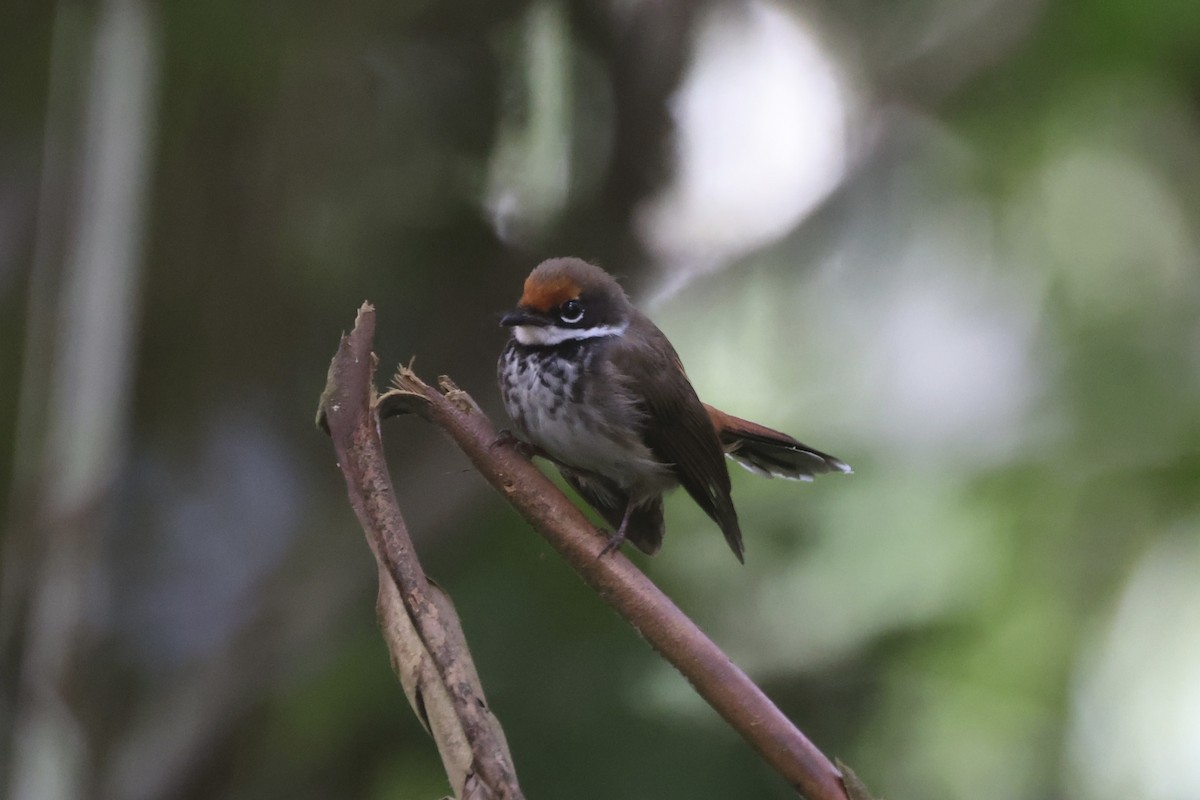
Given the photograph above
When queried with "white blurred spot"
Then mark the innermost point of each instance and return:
(762, 137)
(530, 170)
(949, 360)
(1135, 728)
(955, 368)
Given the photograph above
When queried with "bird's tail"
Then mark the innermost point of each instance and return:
(768, 452)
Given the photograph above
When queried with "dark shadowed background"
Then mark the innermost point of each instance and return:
(955, 242)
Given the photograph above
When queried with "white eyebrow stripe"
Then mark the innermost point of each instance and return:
(548, 335)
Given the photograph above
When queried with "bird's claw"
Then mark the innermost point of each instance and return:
(507, 438)
(612, 545)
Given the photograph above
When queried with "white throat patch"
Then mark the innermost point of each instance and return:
(549, 335)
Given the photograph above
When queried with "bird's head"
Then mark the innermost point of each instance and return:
(568, 299)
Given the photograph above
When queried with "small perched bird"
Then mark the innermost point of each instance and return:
(595, 386)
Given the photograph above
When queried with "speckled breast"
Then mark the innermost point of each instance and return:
(552, 397)
(542, 388)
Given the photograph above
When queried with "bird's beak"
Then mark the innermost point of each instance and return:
(521, 316)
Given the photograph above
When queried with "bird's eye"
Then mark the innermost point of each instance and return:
(571, 311)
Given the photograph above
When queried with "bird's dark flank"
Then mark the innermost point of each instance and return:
(597, 387)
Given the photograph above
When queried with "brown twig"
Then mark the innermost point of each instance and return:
(421, 628)
(621, 584)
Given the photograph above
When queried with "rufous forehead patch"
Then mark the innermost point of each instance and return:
(545, 294)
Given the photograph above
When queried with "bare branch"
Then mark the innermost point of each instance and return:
(423, 633)
(621, 584)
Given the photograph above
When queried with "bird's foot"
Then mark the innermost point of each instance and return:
(507, 438)
(618, 538)
(613, 544)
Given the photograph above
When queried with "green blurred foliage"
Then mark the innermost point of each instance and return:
(995, 319)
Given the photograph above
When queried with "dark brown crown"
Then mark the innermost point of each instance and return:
(557, 280)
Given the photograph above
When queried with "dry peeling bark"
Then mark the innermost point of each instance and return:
(424, 637)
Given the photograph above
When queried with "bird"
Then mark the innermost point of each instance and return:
(594, 386)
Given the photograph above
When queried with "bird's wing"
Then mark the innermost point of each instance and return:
(677, 426)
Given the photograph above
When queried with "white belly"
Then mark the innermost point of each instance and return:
(554, 411)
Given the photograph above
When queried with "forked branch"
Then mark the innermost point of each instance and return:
(623, 586)
(352, 412)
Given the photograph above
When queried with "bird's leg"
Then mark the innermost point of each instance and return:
(617, 539)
